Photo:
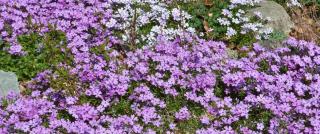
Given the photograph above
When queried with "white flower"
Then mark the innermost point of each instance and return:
(191, 30)
(252, 26)
(176, 14)
(293, 3)
(235, 20)
(226, 12)
(143, 19)
(238, 15)
(201, 34)
(267, 30)
(241, 11)
(224, 21)
(231, 32)
(123, 13)
(158, 13)
(245, 19)
(260, 126)
(258, 37)
(258, 14)
(245, 2)
(111, 23)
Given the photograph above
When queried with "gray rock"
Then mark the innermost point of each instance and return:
(280, 20)
(8, 82)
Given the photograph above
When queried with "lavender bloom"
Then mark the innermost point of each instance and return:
(15, 49)
(183, 114)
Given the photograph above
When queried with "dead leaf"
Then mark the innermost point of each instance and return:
(208, 2)
(206, 25)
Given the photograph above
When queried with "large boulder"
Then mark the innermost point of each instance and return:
(8, 82)
(280, 20)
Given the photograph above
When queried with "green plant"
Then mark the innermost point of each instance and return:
(26, 66)
(205, 20)
(120, 108)
(204, 16)
(277, 36)
(64, 81)
(256, 115)
(42, 52)
(264, 66)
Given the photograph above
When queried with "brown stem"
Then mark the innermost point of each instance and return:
(133, 30)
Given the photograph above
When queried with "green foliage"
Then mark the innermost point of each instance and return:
(27, 66)
(64, 81)
(63, 114)
(206, 16)
(120, 108)
(55, 48)
(45, 121)
(263, 66)
(219, 87)
(152, 66)
(189, 126)
(4, 103)
(176, 103)
(1, 41)
(94, 101)
(277, 36)
(256, 115)
(201, 12)
(240, 40)
(101, 51)
(283, 69)
(42, 52)
(281, 2)
(238, 95)
(123, 106)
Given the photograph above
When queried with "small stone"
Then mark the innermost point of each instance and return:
(8, 82)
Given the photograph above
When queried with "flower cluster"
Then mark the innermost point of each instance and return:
(183, 114)
(234, 17)
(294, 3)
(280, 85)
(77, 19)
(267, 91)
(142, 21)
(181, 83)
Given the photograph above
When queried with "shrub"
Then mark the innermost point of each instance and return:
(180, 86)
